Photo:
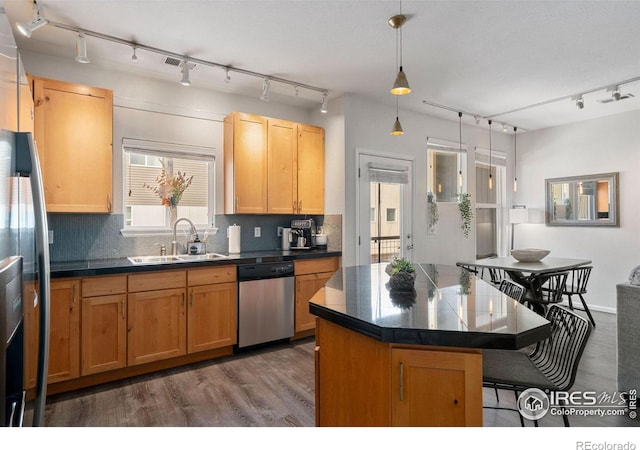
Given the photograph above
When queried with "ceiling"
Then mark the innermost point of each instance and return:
(480, 57)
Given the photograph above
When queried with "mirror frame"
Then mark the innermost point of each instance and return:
(612, 221)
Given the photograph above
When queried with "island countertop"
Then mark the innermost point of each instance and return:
(451, 308)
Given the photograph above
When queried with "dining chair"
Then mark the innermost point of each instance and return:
(497, 275)
(551, 366)
(546, 290)
(512, 289)
(577, 285)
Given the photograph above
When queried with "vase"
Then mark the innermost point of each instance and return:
(173, 215)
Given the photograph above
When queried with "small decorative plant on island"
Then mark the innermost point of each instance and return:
(403, 274)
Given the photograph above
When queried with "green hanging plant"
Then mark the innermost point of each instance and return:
(466, 213)
(433, 209)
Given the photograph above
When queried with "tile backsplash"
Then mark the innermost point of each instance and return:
(79, 237)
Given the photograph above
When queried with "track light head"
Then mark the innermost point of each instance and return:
(185, 73)
(615, 94)
(324, 108)
(265, 90)
(81, 49)
(227, 77)
(134, 57)
(37, 22)
(580, 102)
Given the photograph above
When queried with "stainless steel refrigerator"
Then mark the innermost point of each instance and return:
(24, 252)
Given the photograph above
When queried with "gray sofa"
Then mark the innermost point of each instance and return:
(628, 318)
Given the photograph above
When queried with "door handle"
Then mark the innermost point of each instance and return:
(401, 369)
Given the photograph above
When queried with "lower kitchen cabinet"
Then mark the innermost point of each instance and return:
(64, 337)
(212, 317)
(104, 333)
(103, 324)
(157, 325)
(310, 276)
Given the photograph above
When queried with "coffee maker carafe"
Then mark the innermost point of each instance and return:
(302, 231)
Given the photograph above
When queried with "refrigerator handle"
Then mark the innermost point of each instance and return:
(42, 251)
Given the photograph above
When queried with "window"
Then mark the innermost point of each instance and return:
(143, 163)
(391, 214)
(374, 215)
(491, 229)
(445, 162)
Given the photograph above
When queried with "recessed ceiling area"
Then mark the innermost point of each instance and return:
(499, 59)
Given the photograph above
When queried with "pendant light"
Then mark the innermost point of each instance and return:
(397, 128)
(460, 152)
(401, 85)
(515, 160)
(490, 177)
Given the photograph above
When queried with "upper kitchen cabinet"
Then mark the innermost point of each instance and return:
(73, 131)
(245, 164)
(273, 166)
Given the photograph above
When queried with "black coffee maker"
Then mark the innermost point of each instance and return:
(302, 232)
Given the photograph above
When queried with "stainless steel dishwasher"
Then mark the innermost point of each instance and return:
(265, 303)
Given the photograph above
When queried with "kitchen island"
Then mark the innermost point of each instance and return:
(396, 359)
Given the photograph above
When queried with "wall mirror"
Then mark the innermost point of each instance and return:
(588, 200)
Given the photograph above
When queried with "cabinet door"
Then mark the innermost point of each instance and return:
(73, 131)
(245, 160)
(310, 170)
(157, 325)
(282, 173)
(436, 388)
(212, 317)
(64, 337)
(104, 333)
(306, 287)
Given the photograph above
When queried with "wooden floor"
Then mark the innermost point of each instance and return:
(274, 387)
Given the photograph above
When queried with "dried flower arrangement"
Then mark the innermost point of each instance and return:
(170, 188)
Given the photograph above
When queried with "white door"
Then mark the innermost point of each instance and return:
(384, 208)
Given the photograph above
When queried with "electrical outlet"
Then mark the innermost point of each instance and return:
(280, 231)
(256, 232)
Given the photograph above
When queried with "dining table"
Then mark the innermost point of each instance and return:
(530, 274)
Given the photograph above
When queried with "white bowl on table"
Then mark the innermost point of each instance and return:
(529, 254)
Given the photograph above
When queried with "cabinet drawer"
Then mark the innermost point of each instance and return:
(318, 265)
(97, 286)
(166, 279)
(211, 275)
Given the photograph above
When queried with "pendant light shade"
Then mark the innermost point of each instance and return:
(397, 128)
(401, 85)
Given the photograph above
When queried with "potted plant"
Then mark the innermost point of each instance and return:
(433, 210)
(466, 213)
(402, 273)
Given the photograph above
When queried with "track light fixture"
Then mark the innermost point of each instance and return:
(401, 85)
(185, 73)
(580, 102)
(81, 49)
(227, 77)
(37, 22)
(265, 90)
(324, 108)
(504, 128)
(615, 94)
(397, 128)
(134, 57)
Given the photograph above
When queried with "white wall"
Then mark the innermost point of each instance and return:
(367, 126)
(146, 108)
(611, 144)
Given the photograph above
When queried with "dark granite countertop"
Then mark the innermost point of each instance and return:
(450, 308)
(123, 265)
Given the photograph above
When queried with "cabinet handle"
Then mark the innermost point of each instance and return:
(401, 381)
(295, 206)
(183, 301)
(236, 208)
(109, 202)
(73, 295)
(122, 309)
(191, 298)
(299, 206)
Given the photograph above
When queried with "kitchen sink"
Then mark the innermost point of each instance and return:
(138, 260)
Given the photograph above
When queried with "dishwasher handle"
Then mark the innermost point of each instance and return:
(264, 271)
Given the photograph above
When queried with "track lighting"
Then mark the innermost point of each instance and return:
(185, 73)
(37, 22)
(323, 108)
(580, 102)
(134, 57)
(227, 77)
(504, 128)
(477, 119)
(81, 49)
(401, 85)
(615, 94)
(296, 91)
(265, 91)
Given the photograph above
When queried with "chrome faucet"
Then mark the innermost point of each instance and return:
(174, 243)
